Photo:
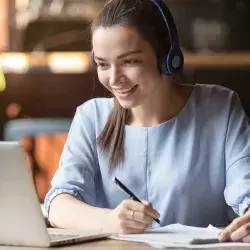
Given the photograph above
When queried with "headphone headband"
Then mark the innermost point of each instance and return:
(174, 60)
(169, 20)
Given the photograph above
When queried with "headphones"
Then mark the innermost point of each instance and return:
(174, 60)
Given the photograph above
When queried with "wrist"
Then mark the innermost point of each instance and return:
(107, 222)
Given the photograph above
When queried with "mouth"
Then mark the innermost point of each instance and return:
(127, 91)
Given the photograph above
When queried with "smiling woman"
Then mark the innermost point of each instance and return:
(182, 148)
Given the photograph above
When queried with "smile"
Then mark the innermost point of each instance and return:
(124, 91)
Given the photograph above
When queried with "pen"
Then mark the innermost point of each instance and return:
(127, 191)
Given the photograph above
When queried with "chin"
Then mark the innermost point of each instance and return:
(128, 104)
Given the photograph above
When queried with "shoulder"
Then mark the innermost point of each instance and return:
(214, 95)
(214, 103)
(214, 91)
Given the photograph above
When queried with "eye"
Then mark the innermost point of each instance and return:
(131, 61)
(102, 65)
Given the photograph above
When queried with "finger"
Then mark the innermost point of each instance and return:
(143, 218)
(127, 214)
(147, 203)
(133, 224)
(246, 239)
(236, 224)
(220, 232)
(137, 216)
(131, 231)
(241, 233)
(137, 206)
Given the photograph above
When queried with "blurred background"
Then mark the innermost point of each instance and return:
(45, 57)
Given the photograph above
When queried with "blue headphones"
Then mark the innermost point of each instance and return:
(174, 60)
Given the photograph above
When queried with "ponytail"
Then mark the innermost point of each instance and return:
(111, 138)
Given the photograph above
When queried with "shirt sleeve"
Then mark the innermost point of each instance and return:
(237, 158)
(76, 172)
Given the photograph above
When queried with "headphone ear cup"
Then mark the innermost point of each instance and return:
(170, 59)
(175, 60)
(92, 59)
(172, 62)
(164, 66)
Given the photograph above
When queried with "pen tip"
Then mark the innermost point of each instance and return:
(158, 221)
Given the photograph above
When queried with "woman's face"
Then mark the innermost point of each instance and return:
(126, 65)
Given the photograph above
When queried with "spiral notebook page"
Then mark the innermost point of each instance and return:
(177, 235)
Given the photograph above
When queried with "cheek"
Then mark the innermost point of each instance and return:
(104, 80)
(142, 76)
(143, 71)
(136, 75)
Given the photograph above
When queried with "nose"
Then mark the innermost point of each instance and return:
(114, 77)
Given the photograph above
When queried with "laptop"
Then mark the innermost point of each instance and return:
(21, 219)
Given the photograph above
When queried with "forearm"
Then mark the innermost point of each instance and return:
(68, 212)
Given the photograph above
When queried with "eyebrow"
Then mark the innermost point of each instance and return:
(121, 56)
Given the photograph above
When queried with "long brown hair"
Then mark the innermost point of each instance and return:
(145, 17)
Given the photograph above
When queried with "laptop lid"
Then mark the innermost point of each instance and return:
(21, 219)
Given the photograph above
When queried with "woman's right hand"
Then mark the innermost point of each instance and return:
(131, 217)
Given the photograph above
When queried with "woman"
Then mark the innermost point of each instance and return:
(183, 149)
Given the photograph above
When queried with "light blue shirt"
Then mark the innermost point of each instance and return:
(190, 167)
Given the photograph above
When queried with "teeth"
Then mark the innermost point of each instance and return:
(124, 90)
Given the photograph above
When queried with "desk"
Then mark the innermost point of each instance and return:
(95, 245)
(109, 245)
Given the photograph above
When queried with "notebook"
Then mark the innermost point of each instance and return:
(21, 220)
(180, 236)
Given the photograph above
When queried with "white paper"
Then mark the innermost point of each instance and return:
(177, 235)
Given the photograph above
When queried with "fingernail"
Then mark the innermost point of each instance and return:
(223, 237)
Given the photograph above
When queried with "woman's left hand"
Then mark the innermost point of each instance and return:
(238, 230)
